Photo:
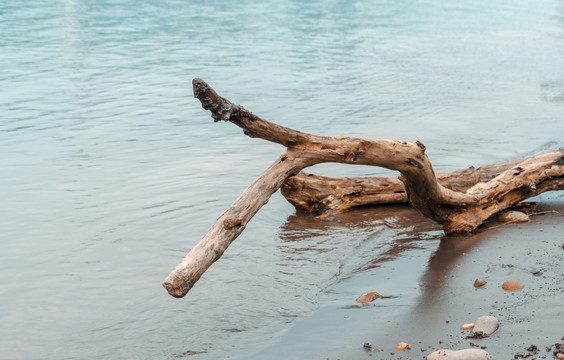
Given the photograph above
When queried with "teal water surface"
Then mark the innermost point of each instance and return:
(111, 171)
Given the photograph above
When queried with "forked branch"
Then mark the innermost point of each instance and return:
(460, 201)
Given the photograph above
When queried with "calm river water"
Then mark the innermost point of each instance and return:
(111, 171)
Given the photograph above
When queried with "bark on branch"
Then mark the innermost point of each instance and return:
(460, 201)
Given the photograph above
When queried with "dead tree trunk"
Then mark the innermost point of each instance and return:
(460, 201)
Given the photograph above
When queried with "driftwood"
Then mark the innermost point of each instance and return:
(460, 201)
(328, 196)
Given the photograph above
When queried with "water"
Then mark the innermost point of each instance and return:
(111, 171)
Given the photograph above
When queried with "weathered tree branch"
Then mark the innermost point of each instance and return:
(441, 198)
(230, 224)
(328, 196)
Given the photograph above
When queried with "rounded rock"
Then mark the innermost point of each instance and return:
(402, 345)
(468, 354)
(513, 217)
(480, 282)
(467, 326)
(438, 355)
(512, 285)
(485, 326)
(368, 297)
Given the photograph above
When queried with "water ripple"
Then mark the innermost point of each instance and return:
(111, 171)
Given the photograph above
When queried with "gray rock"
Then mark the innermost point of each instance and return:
(485, 326)
(468, 354)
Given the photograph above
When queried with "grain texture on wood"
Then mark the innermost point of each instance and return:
(460, 200)
(328, 196)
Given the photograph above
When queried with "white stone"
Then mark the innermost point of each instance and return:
(513, 217)
(468, 354)
(485, 325)
(438, 355)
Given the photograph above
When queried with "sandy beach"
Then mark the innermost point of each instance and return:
(426, 308)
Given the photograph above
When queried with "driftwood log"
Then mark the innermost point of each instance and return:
(460, 200)
(327, 196)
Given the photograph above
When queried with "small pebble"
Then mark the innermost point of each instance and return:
(512, 285)
(402, 345)
(485, 326)
(560, 356)
(437, 355)
(513, 217)
(368, 297)
(467, 326)
(468, 354)
(480, 282)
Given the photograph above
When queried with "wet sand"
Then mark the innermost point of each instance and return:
(428, 293)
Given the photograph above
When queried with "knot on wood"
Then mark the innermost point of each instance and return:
(232, 223)
(421, 146)
(518, 170)
(354, 155)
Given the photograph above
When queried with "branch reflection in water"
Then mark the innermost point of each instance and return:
(354, 241)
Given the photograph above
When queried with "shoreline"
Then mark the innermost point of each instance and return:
(429, 294)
